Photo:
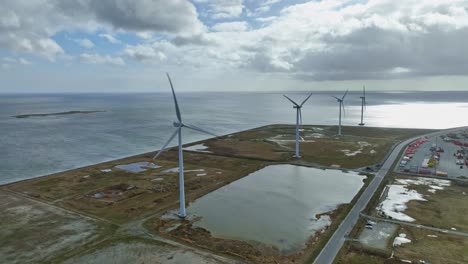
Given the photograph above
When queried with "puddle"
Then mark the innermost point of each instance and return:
(198, 148)
(276, 205)
(138, 166)
(379, 236)
(176, 170)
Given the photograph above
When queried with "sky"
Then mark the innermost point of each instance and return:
(76, 46)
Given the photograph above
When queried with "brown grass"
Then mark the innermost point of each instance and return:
(440, 250)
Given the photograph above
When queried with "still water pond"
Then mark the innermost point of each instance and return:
(276, 205)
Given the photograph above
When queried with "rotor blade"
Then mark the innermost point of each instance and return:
(175, 99)
(193, 127)
(364, 90)
(301, 138)
(303, 102)
(167, 143)
(336, 98)
(291, 100)
(344, 95)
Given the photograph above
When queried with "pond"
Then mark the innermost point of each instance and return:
(276, 206)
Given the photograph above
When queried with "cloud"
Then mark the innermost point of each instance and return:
(265, 19)
(10, 62)
(379, 39)
(313, 41)
(177, 16)
(24, 61)
(28, 26)
(223, 9)
(85, 43)
(261, 7)
(94, 58)
(144, 35)
(201, 40)
(146, 54)
(110, 38)
(237, 26)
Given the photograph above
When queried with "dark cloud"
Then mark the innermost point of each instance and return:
(199, 39)
(370, 53)
(375, 53)
(175, 16)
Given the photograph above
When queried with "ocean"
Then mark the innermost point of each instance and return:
(138, 123)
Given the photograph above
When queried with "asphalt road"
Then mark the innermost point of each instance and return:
(331, 249)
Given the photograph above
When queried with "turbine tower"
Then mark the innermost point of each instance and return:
(298, 120)
(341, 101)
(363, 104)
(179, 125)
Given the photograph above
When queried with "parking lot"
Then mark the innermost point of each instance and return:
(437, 156)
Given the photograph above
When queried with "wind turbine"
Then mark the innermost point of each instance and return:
(341, 101)
(363, 104)
(298, 120)
(179, 125)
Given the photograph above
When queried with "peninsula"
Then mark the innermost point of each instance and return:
(59, 113)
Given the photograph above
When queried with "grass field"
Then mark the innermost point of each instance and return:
(320, 146)
(74, 189)
(444, 209)
(432, 247)
(443, 249)
(126, 197)
(356, 257)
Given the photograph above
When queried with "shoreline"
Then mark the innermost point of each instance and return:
(194, 143)
(129, 156)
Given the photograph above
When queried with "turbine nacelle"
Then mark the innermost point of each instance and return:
(177, 124)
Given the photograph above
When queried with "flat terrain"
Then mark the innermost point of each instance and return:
(102, 203)
(445, 208)
(31, 231)
(432, 247)
(361, 146)
(141, 251)
(441, 207)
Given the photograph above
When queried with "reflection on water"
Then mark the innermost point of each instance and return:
(276, 205)
(418, 115)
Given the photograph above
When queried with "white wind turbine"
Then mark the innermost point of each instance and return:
(298, 120)
(179, 125)
(341, 101)
(363, 104)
